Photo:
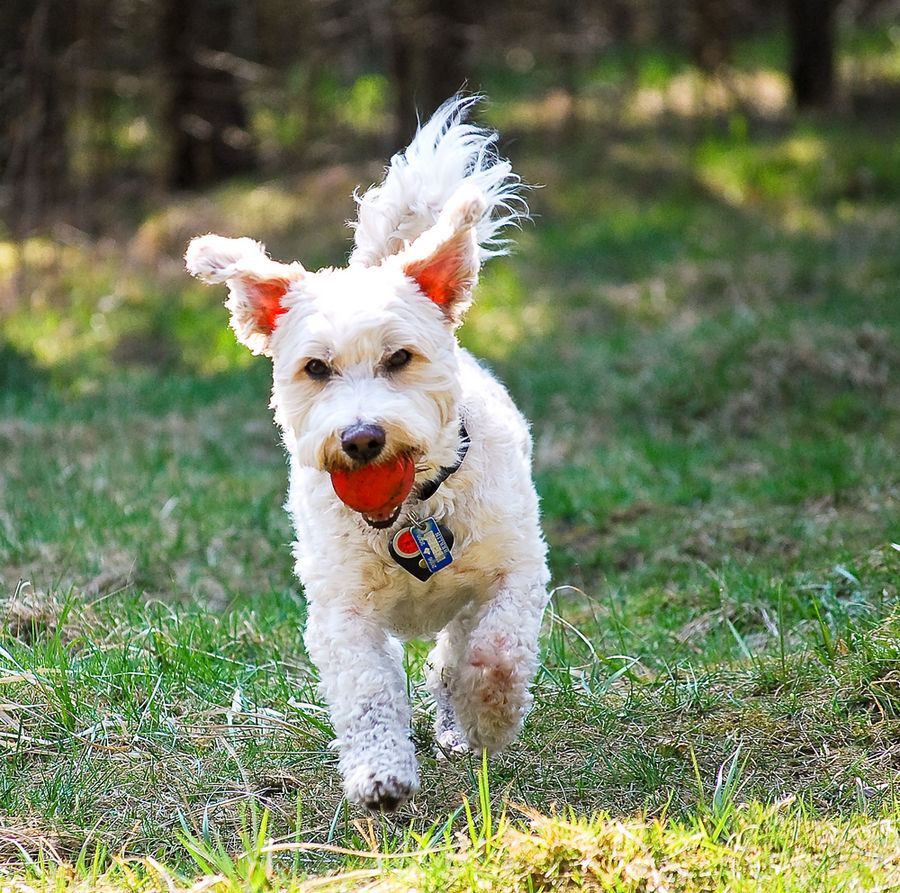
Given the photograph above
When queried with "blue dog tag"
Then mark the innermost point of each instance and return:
(432, 545)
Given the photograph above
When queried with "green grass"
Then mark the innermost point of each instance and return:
(702, 325)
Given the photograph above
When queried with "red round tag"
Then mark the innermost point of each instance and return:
(405, 544)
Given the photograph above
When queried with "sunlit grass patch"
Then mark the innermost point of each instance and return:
(781, 847)
(801, 175)
(508, 315)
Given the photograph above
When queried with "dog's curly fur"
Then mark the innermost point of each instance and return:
(373, 344)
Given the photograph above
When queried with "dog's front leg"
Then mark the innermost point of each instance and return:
(483, 667)
(363, 681)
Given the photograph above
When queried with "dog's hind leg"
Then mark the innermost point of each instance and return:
(364, 683)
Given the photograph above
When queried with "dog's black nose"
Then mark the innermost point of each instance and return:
(363, 443)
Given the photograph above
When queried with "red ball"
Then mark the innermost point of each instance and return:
(375, 489)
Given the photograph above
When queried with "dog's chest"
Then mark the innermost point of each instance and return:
(411, 609)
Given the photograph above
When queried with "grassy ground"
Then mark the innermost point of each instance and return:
(702, 325)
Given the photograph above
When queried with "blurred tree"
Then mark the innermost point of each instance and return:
(33, 145)
(812, 32)
(710, 33)
(428, 42)
(204, 109)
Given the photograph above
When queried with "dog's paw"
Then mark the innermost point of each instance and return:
(380, 792)
(451, 744)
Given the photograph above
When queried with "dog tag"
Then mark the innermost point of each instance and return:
(432, 545)
(422, 549)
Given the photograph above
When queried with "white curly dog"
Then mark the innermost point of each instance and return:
(410, 481)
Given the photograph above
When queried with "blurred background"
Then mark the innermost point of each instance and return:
(112, 100)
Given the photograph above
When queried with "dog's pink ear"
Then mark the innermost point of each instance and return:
(444, 261)
(256, 284)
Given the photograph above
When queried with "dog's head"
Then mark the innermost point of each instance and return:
(364, 358)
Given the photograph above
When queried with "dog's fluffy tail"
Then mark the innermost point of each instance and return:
(445, 154)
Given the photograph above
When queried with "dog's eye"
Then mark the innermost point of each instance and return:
(317, 369)
(398, 360)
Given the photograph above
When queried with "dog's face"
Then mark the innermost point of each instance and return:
(362, 352)
(364, 358)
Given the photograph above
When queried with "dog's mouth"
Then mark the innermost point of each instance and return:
(376, 490)
(383, 520)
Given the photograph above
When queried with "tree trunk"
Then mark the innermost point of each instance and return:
(33, 145)
(205, 114)
(711, 34)
(428, 44)
(811, 29)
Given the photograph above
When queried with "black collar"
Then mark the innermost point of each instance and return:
(429, 488)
